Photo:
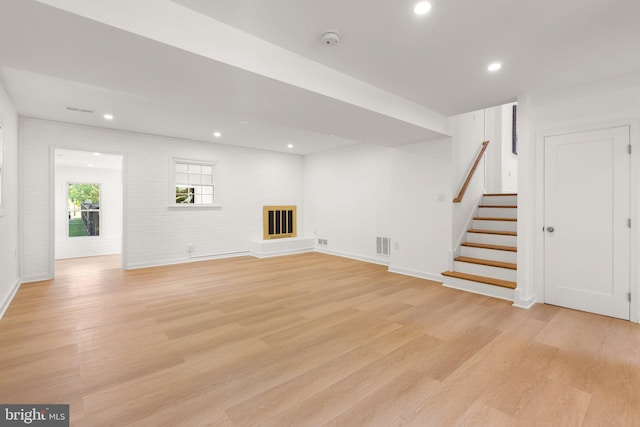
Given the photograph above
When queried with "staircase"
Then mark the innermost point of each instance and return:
(487, 261)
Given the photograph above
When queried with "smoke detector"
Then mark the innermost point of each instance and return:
(330, 38)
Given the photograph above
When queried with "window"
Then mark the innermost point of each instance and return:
(83, 210)
(193, 183)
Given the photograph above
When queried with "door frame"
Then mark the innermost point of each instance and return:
(586, 125)
(52, 200)
(611, 141)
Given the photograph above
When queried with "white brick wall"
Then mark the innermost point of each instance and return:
(9, 266)
(154, 233)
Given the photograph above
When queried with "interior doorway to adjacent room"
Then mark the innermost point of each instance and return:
(88, 211)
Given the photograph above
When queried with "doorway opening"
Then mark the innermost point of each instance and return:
(88, 211)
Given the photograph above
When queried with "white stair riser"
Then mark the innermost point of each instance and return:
(498, 212)
(485, 270)
(500, 200)
(492, 239)
(479, 288)
(495, 225)
(491, 254)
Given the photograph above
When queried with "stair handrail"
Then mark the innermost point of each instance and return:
(471, 172)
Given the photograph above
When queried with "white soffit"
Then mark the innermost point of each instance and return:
(175, 25)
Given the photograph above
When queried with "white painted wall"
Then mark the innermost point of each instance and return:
(355, 194)
(493, 155)
(528, 202)
(9, 220)
(509, 161)
(154, 233)
(468, 135)
(109, 241)
(421, 208)
(348, 199)
(611, 103)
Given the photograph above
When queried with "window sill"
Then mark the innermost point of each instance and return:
(190, 206)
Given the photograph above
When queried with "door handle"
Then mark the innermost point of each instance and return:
(551, 229)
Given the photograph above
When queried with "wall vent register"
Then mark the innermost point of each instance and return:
(279, 222)
(383, 245)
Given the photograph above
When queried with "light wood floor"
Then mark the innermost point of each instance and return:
(85, 265)
(309, 340)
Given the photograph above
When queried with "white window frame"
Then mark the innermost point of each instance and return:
(100, 217)
(174, 182)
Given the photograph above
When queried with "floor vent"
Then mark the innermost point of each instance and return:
(383, 245)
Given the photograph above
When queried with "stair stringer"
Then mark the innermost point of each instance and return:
(463, 236)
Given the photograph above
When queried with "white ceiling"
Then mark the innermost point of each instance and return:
(432, 66)
(439, 60)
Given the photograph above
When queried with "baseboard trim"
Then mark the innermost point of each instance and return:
(139, 265)
(479, 288)
(523, 303)
(9, 298)
(419, 274)
(371, 260)
(280, 253)
(35, 278)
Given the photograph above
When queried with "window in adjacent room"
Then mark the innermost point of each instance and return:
(83, 210)
(194, 183)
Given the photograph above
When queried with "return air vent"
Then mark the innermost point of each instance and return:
(323, 242)
(79, 110)
(383, 245)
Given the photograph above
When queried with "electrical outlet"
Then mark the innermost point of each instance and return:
(189, 248)
(396, 246)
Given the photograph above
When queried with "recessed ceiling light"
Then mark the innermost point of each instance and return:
(422, 8)
(495, 66)
(96, 154)
(290, 145)
(108, 116)
(217, 134)
(90, 165)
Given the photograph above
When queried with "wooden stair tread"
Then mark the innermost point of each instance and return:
(481, 279)
(494, 247)
(486, 218)
(499, 206)
(501, 194)
(501, 233)
(488, 262)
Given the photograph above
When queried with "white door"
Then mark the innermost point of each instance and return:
(587, 234)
